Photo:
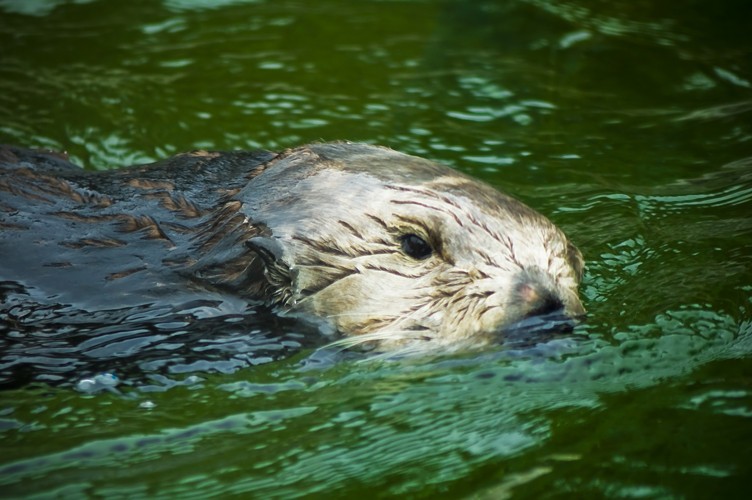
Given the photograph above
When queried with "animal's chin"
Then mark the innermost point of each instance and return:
(536, 329)
(525, 333)
(418, 341)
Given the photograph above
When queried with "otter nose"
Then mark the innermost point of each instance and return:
(538, 300)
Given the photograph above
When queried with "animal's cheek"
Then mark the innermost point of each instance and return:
(492, 319)
(362, 297)
(377, 289)
(478, 306)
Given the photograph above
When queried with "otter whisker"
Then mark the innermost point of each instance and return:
(402, 336)
(349, 342)
(319, 231)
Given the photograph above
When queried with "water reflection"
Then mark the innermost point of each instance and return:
(615, 118)
(63, 346)
(445, 416)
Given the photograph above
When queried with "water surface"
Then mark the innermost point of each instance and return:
(627, 123)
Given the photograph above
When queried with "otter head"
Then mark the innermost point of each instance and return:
(401, 252)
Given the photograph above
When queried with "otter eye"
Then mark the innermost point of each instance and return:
(415, 246)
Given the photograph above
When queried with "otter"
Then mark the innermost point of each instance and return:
(388, 250)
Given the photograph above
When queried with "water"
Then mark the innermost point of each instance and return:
(628, 123)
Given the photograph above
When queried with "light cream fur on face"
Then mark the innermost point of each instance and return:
(337, 214)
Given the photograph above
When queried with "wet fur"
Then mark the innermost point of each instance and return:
(312, 231)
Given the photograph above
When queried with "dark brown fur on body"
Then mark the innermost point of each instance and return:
(326, 231)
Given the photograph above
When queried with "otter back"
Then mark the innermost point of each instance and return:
(394, 252)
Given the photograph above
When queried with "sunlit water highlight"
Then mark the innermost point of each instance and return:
(627, 123)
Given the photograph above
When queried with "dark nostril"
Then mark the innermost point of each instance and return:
(539, 301)
(548, 305)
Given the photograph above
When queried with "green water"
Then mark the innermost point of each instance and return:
(629, 123)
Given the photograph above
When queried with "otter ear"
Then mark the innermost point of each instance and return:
(269, 249)
(276, 270)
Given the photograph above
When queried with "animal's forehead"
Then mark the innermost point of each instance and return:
(395, 170)
(474, 203)
(380, 162)
(360, 176)
(399, 170)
